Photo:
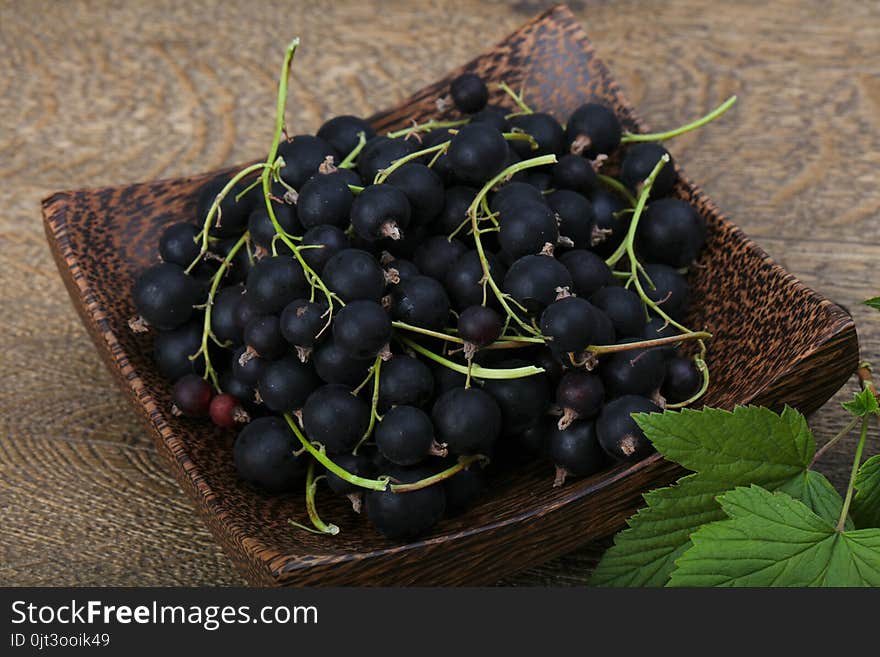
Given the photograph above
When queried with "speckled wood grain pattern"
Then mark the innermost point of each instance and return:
(776, 342)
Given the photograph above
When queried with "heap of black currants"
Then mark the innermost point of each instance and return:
(391, 313)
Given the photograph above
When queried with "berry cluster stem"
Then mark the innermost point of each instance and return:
(630, 137)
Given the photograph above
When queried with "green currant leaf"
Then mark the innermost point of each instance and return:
(772, 539)
(863, 403)
(865, 509)
(814, 490)
(727, 449)
(873, 303)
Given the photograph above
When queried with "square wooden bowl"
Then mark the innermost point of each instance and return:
(776, 342)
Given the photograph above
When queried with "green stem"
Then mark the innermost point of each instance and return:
(617, 186)
(311, 488)
(374, 403)
(348, 162)
(857, 461)
(647, 344)
(463, 462)
(521, 136)
(477, 371)
(517, 98)
(629, 137)
(704, 370)
(425, 127)
(382, 174)
(831, 443)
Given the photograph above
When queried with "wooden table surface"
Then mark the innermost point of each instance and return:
(103, 93)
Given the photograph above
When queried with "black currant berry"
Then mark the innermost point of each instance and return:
(379, 153)
(464, 488)
(618, 433)
(624, 308)
(403, 269)
(514, 194)
(435, 256)
(576, 451)
(354, 274)
(633, 372)
(225, 411)
(671, 233)
(331, 241)
(262, 230)
(334, 365)
(423, 189)
(301, 322)
(404, 380)
(302, 156)
(477, 153)
(479, 326)
(232, 215)
(576, 217)
(580, 396)
(544, 129)
(274, 282)
(569, 324)
(468, 420)
(264, 454)
(359, 465)
(469, 93)
(178, 245)
(494, 116)
(454, 211)
(324, 200)
(407, 514)
(341, 132)
(172, 350)
(575, 173)
(589, 273)
(405, 436)
(380, 211)
(224, 315)
(534, 281)
(522, 400)
(335, 417)
(164, 295)
(682, 380)
(639, 162)
(534, 441)
(421, 301)
(670, 290)
(659, 328)
(263, 336)
(192, 395)
(285, 384)
(243, 392)
(592, 130)
(611, 222)
(528, 229)
(464, 280)
(362, 328)
(247, 369)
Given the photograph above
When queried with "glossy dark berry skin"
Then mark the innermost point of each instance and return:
(354, 274)
(380, 211)
(670, 290)
(463, 279)
(522, 401)
(404, 380)
(334, 365)
(324, 199)
(569, 324)
(172, 350)
(341, 132)
(264, 455)
(409, 514)
(589, 273)
(477, 153)
(633, 372)
(526, 229)
(379, 153)
(576, 216)
(164, 295)
(302, 157)
(362, 328)
(223, 409)
(405, 435)
(617, 431)
(534, 441)
(336, 418)
(671, 233)
(624, 308)
(301, 321)
(243, 393)
(577, 450)
(454, 210)
(274, 282)
(514, 194)
(596, 126)
(285, 384)
(178, 245)
(262, 230)
(469, 93)
(224, 315)
(405, 269)
(533, 281)
(331, 239)
(682, 380)
(640, 160)
(421, 301)
(423, 189)
(581, 392)
(575, 173)
(659, 328)
(252, 369)
(494, 116)
(263, 335)
(544, 129)
(233, 214)
(360, 465)
(464, 488)
(435, 256)
(468, 420)
(609, 216)
(192, 395)
(479, 325)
